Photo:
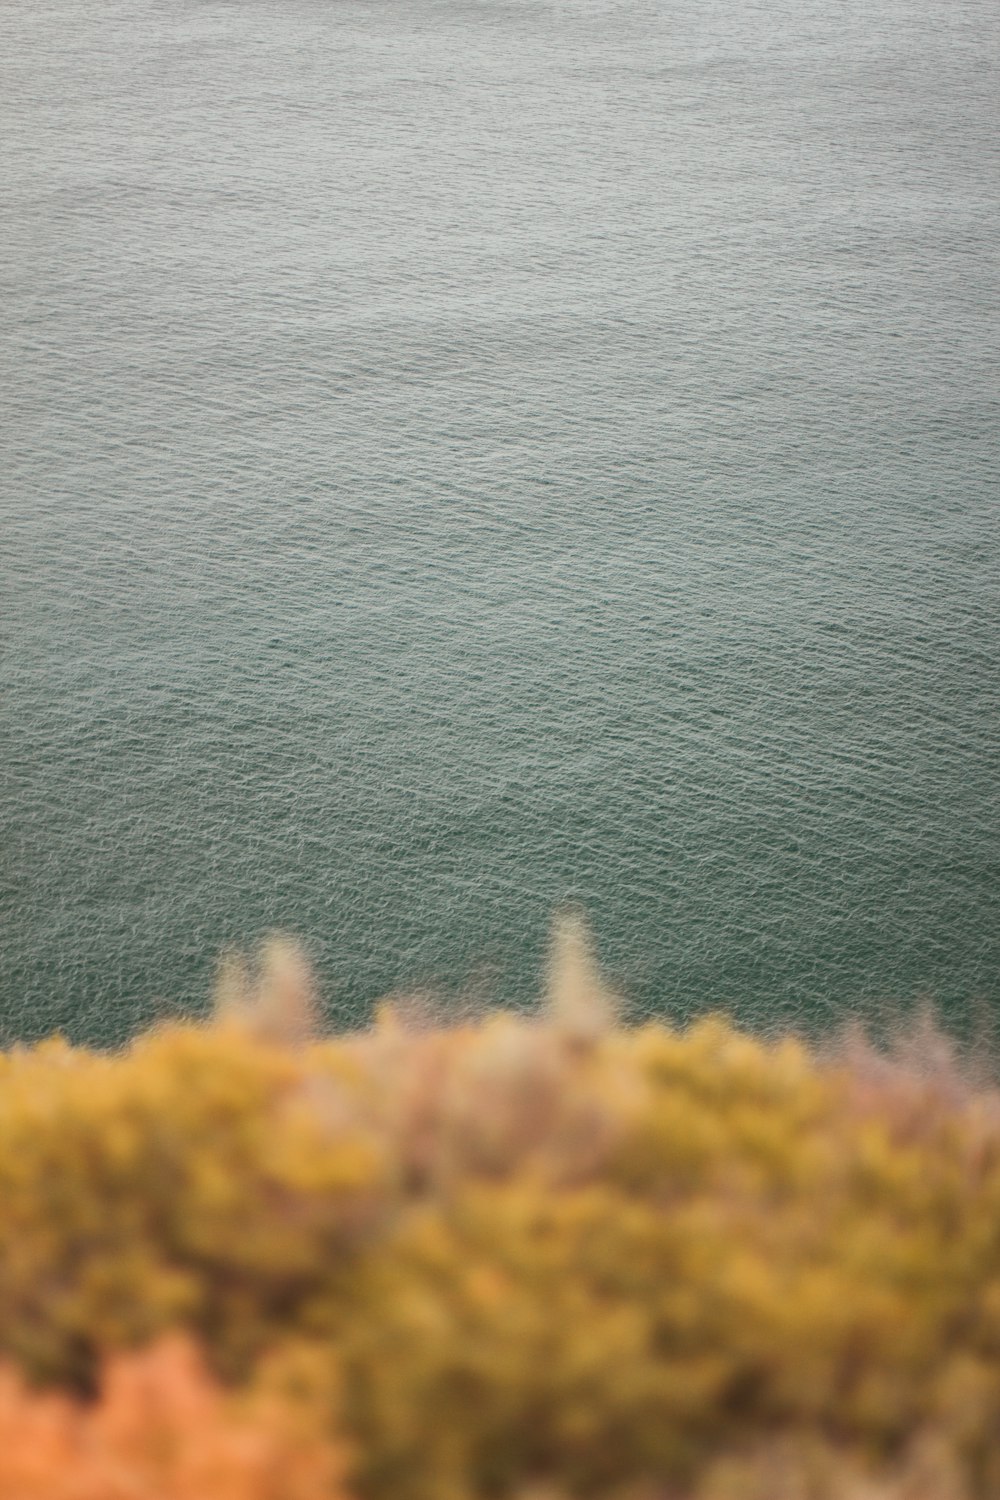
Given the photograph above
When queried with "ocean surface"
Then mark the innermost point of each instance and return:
(462, 458)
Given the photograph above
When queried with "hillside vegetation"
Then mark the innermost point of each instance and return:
(540, 1256)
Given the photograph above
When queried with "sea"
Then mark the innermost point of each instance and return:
(463, 459)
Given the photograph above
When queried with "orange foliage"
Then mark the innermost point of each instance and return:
(162, 1429)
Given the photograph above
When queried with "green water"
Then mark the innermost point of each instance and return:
(460, 458)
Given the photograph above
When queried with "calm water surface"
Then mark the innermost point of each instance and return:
(461, 457)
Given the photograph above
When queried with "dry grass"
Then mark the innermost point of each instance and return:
(275, 1001)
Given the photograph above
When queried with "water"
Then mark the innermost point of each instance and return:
(462, 457)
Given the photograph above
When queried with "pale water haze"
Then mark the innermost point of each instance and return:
(464, 457)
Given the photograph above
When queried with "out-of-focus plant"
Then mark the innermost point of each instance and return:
(162, 1429)
(534, 1256)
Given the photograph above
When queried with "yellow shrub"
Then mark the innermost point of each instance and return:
(189, 1181)
(533, 1256)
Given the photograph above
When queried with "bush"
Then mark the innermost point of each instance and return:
(516, 1256)
(161, 1430)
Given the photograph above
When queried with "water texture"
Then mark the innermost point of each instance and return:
(462, 457)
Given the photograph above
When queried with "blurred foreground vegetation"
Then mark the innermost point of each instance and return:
(545, 1257)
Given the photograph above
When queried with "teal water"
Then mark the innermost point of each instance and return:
(463, 457)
